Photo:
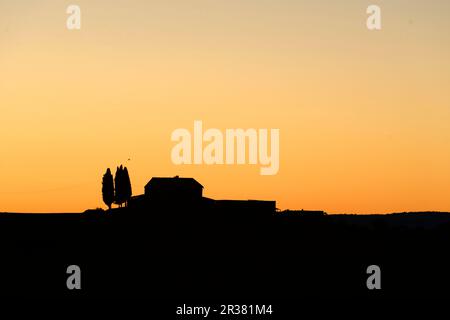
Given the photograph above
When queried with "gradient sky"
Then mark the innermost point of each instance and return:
(364, 117)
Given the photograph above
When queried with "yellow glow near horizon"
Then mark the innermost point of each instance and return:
(363, 115)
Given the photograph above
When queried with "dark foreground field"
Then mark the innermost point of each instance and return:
(189, 257)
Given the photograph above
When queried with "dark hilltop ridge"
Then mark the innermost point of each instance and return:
(171, 243)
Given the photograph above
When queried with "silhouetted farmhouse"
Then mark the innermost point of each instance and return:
(187, 193)
(167, 189)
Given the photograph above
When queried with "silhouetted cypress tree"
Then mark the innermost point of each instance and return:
(119, 190)
(126, 186)
(108, 188)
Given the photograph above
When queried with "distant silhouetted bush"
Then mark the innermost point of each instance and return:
(94, 211)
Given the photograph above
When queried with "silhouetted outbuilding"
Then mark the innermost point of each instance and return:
(245, 206)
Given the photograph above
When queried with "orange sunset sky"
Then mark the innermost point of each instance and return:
(364, 116)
